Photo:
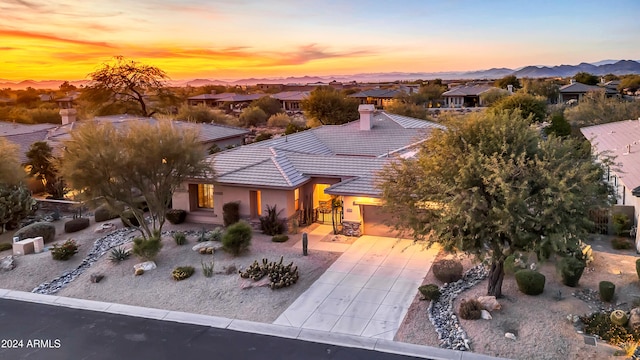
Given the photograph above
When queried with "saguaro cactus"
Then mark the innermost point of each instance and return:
(305, 243)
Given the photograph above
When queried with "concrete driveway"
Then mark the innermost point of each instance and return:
(366, 292)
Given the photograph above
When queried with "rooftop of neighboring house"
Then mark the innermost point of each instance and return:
(378, 93)
(346, 151)
(291, 95)
(577, 87)
(24, 135)
(227, 97)
(467, 90)
(621, 140)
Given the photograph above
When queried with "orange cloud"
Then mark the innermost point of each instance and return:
(39, 36)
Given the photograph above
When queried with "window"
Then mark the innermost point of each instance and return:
(205, 196)
(296, 199)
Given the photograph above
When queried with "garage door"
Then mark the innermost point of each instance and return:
(374, 221)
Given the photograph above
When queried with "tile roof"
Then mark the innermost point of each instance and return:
(291, 95)
(378, 93)
(25, 140)
(467, 90)
(342, 151)
(613, 139)
(227, 97)
(577, 87)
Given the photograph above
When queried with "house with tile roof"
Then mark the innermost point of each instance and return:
(378, 97)
(465, 96)
(291, 100)
(223, 100)
(303, 173)
(620, 140)
(576, 91)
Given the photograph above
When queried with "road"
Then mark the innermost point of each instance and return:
(37, 331)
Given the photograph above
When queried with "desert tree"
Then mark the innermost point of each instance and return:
(596, 108)
(15, 198)
(330, 107)
(531, 106)
(143, 159)
(586, 78)
(489, 185)
(508, 80)
(125, 84)
(11, 172)
(42, 165)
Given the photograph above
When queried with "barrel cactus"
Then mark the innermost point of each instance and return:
(607, 290)
(619, 317)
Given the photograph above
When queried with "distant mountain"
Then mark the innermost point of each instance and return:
(617, 67)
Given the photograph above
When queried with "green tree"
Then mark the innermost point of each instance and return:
(125, 83)
(586, 78)
(610, 77)
(508, 80)
(253, 116)
(595, 108)
(559, 125)
(269, 105)
(204, 114)
(330, 106)
(11, 172)
(528, 105)
(115, 166)
(280, 120)
(546, 88)
(42, 166)
(629, 83)
(407, 109)
(66, 87)
(492, 96)
(489, 186)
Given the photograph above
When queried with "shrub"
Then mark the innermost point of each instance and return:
(215, 234)
(5, 246)
(44, 229)
(607, 289)
(621, 224)
(176, 216)
(104, 213)
(514, 262)
(279, 120)
(237, 238)
(147, 249)
(570, 270)
(638, 268)
(600, 324)
(621, 243)
(118, 254)
(447, 270)
(263, 136)
(207, 268)
(253, 116)
(470, 309)
(430, 291)
(76, 225)
(279, 238)
(129, 219)
(182, 272)
(65, 251)
(271, 223)
(180, 238)
(230, 213)
(530, 282)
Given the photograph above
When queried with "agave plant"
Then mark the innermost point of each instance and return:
(119, 254)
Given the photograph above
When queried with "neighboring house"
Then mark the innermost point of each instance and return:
(230, 101)
(291, 100)
(24, 135)
(300, 173)
(6, 101)
(576, 91)
(378, 97)
(621, 140)
(465, 96)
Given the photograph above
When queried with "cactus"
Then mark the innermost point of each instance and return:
(182, 272)
(305, 244)
(16, 204)
(279, 275)
(619, 317)
(607, 290)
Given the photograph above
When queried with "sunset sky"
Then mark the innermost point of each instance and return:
(231, 39)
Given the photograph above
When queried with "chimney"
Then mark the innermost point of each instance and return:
(573, 81)
(67, 112)
(510, 88)
(366, 116)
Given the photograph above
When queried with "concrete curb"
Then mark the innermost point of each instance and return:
(316, 336)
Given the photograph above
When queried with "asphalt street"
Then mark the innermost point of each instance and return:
(36, 331)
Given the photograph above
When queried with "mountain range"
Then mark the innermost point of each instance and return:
(616, 67)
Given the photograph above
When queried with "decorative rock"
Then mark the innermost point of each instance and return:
(489, 303)
(510, 336)
(106, 227)
(634, 318)
(202, 251)
(139, 272)
(210, 250)
(533, 266)
(248, 284)
(95, 278)
(8, 263)
(145, 266)
(485, 315)
(207, 244)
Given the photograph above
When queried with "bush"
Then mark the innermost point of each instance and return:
(44, 229)
(470, 309)
(118, 254)
(430, 291)
(180, 238)
(607, 290)
(272, 224)
(104, 213)
(214, 235)
(530, 282)
(147, 249)
(279, 238)
(76, 225)
(513, 263)
(65, 251)
(132, 220)
(621, 244)
(5, 246)
(279, 120)
(447, 270)
(638, 268)
(253, 116)
(600, 324)
(207, 268)
(176, 216)
(570, 270)
(621, 224)
(182, 272)
(237, 238)
(230, 213)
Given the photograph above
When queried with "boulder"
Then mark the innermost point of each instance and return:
(215, 245)
(485, 315)
(510, 336)
(106, 227)
(634, 318)
(7, 263)
(145, 266)
(95, 278)
(489, 303)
